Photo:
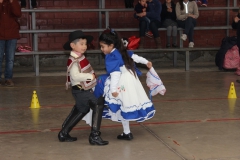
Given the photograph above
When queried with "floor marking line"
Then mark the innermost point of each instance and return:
(70, 105)
(164, 143)
(120, 125)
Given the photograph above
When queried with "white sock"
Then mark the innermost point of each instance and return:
(126, 127)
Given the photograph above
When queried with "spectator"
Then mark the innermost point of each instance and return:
(236, 25)
(154, 9)
(140, 7)
(168, 17)
(187, 13)
(9, 33)
(24, 4)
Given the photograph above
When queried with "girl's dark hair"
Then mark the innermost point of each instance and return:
(181, 4)
(109, 36)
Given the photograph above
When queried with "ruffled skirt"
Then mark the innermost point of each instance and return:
(132, 103)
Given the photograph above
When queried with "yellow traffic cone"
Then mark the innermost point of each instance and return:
(232, 92)
(35, 102)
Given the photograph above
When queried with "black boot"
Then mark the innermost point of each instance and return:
(72, 114)
(63, 135)
(94, 138)
(95, 135)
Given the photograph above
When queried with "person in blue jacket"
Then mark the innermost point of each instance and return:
(154, 9)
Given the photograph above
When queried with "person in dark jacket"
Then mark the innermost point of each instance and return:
(168, 17)
(10, 11)
(236, 25)
(154, 9)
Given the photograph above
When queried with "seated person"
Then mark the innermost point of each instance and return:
(140, 7)
(236, 25)
(154, 9)
(187, 13)
(168, 17)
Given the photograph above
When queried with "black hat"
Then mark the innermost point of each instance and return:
(76, 35)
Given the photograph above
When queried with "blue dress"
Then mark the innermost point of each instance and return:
(132, 103)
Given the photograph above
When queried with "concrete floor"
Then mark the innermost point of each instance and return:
(195, 120)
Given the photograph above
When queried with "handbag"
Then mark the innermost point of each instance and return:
(133, 42)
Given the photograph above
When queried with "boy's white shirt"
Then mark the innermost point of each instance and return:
(115, 76)
(75, 74)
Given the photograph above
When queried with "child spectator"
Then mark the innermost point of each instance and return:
(168, 17)
(82, 79)
(154, 9)
(140, 7)
(124, 93)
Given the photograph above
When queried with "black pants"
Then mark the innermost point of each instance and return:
(33, 3)
(188, 26)
(153, 27)
(82, 100)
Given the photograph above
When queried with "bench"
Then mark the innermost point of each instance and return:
(137, 51)
(174, 50)
(106, 12)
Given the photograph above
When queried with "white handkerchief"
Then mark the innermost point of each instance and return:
(154, 83)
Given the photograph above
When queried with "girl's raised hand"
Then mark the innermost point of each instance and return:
(149, 64)
(115, 94)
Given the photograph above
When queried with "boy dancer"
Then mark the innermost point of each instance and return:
(82, 79)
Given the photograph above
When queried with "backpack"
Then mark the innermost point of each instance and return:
(232, 58)
(227, 43)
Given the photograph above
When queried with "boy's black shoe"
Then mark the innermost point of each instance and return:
(124, 136)
(94, 138)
